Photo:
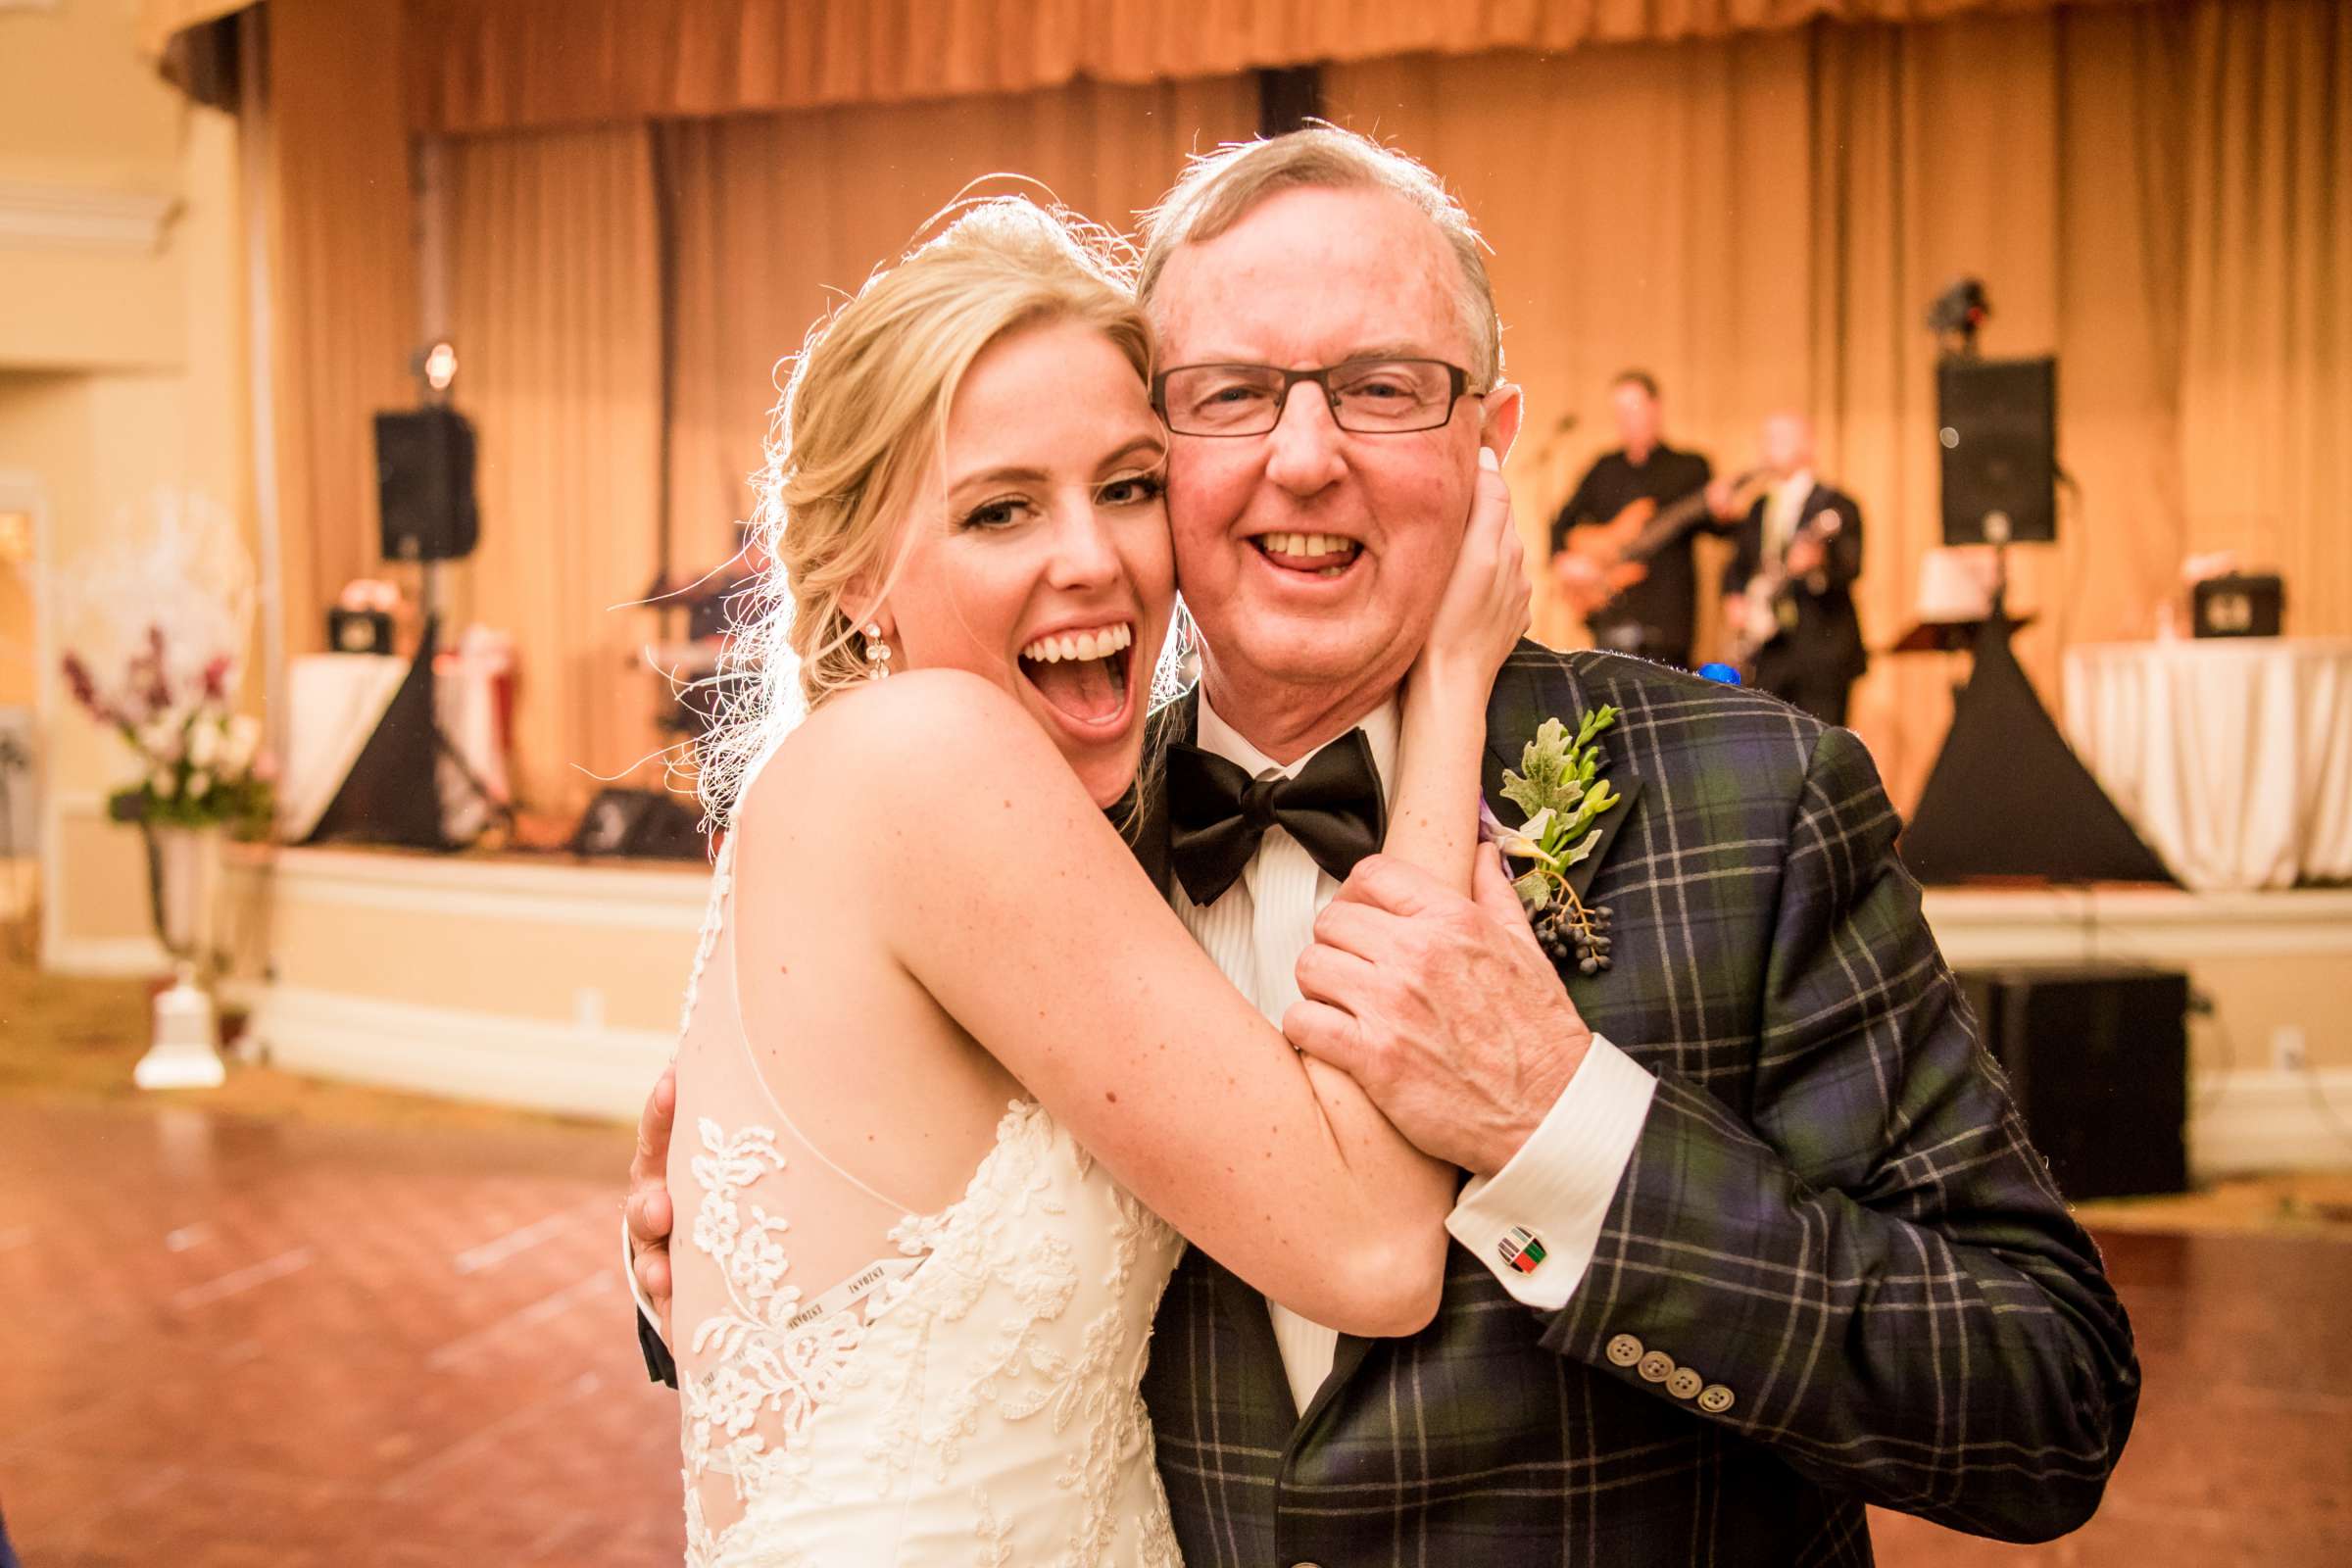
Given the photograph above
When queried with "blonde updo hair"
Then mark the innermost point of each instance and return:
(862, 419)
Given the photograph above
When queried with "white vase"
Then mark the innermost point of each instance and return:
(184, 882)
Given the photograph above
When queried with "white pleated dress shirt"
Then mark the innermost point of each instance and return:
(1559, 1183)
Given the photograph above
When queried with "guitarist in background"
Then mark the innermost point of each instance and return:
(1787, 594)
(1653, 617)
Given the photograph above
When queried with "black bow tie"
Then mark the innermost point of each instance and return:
(1217, 813)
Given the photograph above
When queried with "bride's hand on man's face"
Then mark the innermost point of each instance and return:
(1485, 609)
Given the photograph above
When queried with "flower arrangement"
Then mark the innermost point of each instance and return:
(202, 764)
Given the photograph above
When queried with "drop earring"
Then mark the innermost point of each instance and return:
(877, 653)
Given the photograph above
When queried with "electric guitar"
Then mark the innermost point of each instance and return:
(1621, 548)
(1765, 608)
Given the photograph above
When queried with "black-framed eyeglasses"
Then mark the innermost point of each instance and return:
(1368, 397)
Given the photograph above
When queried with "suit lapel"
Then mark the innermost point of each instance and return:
(1525, 695)
(1345, 1357)
(1262, 1363)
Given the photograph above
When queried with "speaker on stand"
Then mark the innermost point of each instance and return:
(2007, 796)
(427, 514)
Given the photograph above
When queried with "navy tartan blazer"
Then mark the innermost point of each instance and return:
(1833, 1215)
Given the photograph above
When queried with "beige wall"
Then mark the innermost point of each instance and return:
(81, 114)
(123, 370)
(77, 104)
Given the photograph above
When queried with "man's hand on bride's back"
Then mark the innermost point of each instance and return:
(648, 1205)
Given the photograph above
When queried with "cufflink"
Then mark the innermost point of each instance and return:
(1522, 1248)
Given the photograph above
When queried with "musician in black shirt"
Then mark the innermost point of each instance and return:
(1653, 617)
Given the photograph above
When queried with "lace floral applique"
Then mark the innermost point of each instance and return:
(1003, 1270)
(766, 1378)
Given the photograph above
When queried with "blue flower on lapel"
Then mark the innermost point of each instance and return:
(1564, 795)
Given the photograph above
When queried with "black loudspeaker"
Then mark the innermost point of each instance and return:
(425, 485)
(2240, 605)
(2097, 1059)
(359, 631)
(1997, 421)
(638, 823)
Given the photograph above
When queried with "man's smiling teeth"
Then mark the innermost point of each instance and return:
(1081, 645)
(1306, 546)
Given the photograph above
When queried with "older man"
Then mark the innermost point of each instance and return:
(1751, 1234)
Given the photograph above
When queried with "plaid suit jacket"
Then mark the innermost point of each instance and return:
(1832, 1211)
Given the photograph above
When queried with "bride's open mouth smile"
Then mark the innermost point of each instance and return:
(1083, 675)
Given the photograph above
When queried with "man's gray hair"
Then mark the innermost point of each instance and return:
(1218, 189)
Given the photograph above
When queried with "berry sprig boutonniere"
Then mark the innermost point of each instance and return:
(1563, 794)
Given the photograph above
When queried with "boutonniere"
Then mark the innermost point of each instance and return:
(1563, 794)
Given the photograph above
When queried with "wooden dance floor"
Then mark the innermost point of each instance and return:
(231, 1343)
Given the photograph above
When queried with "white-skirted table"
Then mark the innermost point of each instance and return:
(338, 699)
(2231, 755)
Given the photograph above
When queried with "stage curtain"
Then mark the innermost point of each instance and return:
(1761, 220)
(2267, 407)
(482, 65)
(777, 217)
(342, 305)
(555, 306)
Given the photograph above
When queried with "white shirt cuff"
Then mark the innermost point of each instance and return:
(645, 1308)
(1559, 1186)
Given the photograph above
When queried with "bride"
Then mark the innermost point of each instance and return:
(954, 1084)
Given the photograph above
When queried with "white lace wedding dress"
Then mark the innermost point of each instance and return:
(969, 1399)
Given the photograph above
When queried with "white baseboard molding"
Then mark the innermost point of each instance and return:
(105, 958)
(532, 1064)
(2244, 1122)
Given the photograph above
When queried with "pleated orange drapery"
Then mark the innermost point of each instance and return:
(1761, 220)
(555, 306)
(488, 65)
(343, 288)
(776, 217)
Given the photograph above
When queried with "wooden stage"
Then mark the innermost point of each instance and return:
(553, 984)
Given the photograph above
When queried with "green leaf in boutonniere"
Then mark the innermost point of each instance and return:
(1560, 788)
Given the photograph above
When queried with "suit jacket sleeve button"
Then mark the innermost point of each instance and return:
(1684, 1384)
(1655, 1367)
(1714, 1398)
(1625, 1349)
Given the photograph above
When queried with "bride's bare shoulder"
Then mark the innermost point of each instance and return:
(905, 745)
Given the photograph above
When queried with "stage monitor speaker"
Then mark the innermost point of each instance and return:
(425, 485)
(1997, 421)
(645, 824)
(2098, 1060)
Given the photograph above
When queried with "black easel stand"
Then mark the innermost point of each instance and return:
(393, 792)
(2009, 798)
(390, 796)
